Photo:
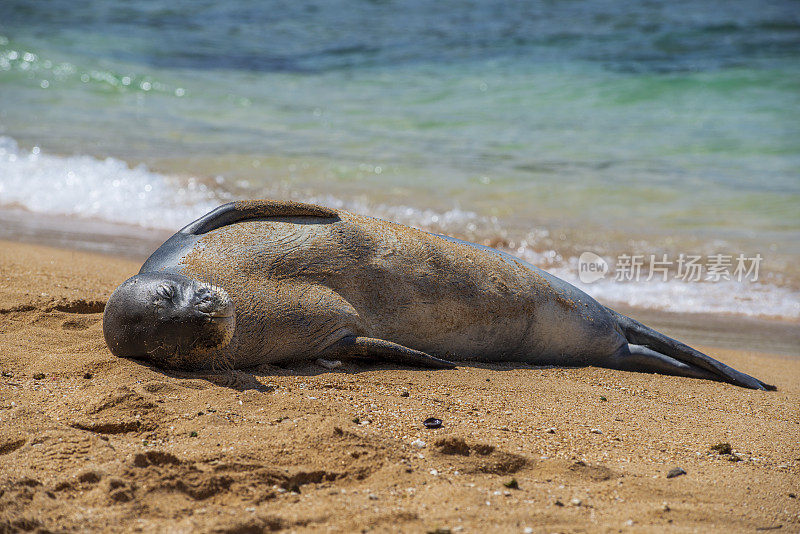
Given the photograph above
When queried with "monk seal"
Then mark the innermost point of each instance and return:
(256, 282)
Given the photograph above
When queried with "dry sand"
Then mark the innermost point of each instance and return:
(89, 442)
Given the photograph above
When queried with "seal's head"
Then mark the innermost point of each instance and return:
(169, 320)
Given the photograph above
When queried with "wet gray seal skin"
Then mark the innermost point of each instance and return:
(308, 282)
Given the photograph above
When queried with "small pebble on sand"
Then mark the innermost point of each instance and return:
(675, 472)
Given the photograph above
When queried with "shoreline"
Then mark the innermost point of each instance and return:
(92, 442)
(85, 235)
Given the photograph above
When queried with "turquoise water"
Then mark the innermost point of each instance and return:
(546, 128)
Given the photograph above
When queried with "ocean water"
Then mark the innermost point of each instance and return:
(545, 128)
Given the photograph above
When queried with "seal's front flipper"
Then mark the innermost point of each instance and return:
(169, 254)
(243, 210)
(367, 347)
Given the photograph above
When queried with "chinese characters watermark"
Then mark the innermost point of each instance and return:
(686, 267)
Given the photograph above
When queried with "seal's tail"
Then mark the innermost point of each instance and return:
(662, 353)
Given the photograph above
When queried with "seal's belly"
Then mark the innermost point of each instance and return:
(391, 282)
(462, 301)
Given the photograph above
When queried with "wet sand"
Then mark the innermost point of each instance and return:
(92, 442)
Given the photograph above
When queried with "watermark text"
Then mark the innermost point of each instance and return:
(684, 267)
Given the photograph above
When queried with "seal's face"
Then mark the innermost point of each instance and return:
(170, 320)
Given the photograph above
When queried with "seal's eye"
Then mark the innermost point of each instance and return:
(166, 291)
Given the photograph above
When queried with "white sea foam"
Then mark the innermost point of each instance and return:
(755, 299)
(451, 220)
(741, 298)
(109, 189)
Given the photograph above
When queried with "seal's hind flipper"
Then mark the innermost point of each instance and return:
(243, 210)
(367, 347)
(644, 360)
(638, 334)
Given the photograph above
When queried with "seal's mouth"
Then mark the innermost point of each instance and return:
(215, 306)
(212, 299)
(197, 328)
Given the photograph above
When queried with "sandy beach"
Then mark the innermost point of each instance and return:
(92, 442)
